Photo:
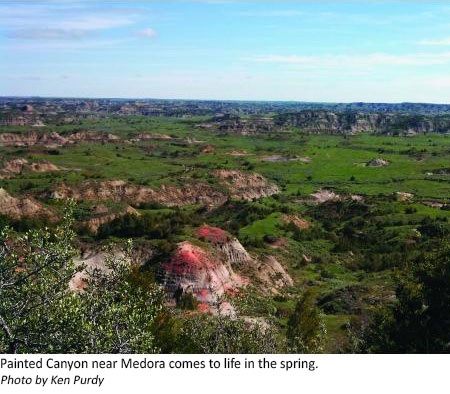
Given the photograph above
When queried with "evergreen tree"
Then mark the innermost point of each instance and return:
(305, 329)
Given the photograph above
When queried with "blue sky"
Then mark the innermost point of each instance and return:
(305, 51)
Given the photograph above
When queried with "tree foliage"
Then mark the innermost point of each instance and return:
(35, 269)
(38, 312)
(305, 328)
(222, 334)
(419, 322)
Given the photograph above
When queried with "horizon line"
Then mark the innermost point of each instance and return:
(219, 100)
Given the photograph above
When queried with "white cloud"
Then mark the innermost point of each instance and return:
(97, 23)
(369, 60)
(64, 21)
(70, 44)
(147, 33)
(438, 42)
(48, 34)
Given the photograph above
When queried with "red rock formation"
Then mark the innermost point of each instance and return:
(201, 272)
(208, 271)
(212, 234)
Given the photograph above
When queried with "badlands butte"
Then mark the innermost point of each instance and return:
(226, 201)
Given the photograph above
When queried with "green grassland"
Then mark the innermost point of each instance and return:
(335, 159)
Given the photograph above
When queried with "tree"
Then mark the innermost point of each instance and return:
(419, 321)
(222, 334)
(225, 330)
(306, 331)
(114, 313)
(34, 273)
(119, 312)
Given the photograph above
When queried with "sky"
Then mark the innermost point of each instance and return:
(228, 50)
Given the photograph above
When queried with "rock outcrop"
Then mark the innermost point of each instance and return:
(18, 166)
(30, 139)
(101, 215)
(244, 185)
(281, 159)
(245, 126)
(208, 271)
(240, 152)
(351, 122)
(96, 258)
(240, 185)
(324, 195)
(119, 190)
(403, 196)
(234, 252)
(299, 222)
(209, 149)
(378, 162)
(92, 136)
(266, 269)
(54, 139)
(152, 136)
(20, 207)
(202, 272)
(272, 274)
(332, 122)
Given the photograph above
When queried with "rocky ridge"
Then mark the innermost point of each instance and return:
(332, 122)
(54, 139)
(20, 207)
(349, 122)
(240, 185)
(102, 215)
(246, 186)
(18, 166)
